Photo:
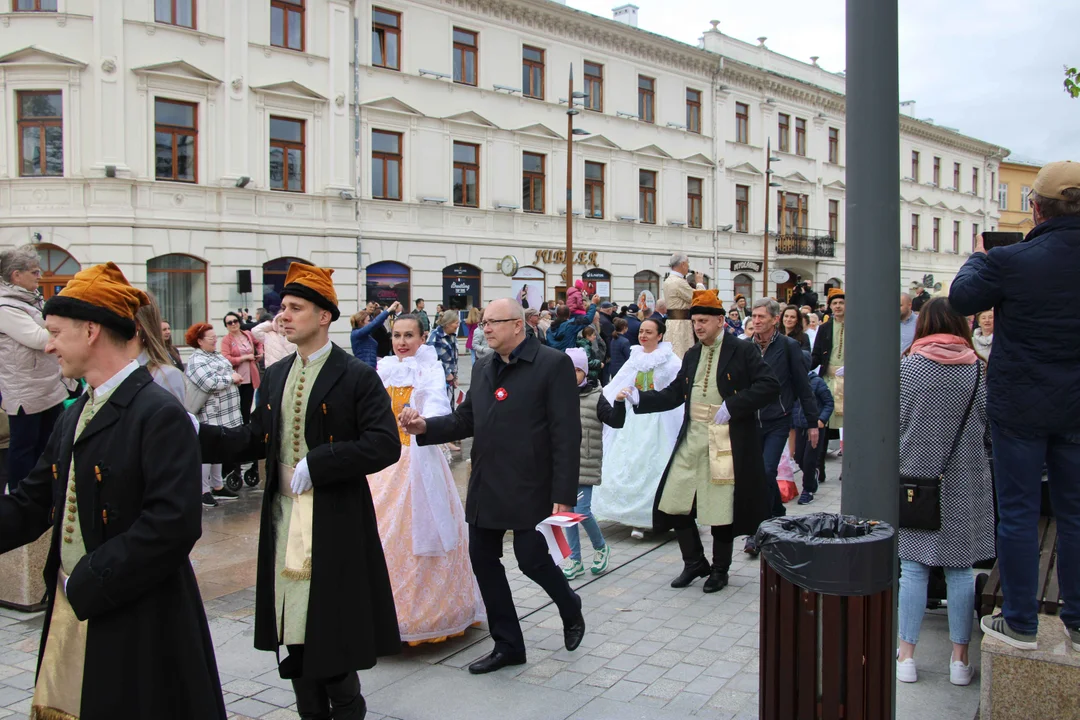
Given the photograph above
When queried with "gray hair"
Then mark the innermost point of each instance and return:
(661, 305)
(905, 296)
(677, 259)
(531, 312)
(1052, 207)
(769, 304)
(18, 260)
(448, 317)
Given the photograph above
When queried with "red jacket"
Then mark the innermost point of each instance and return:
(233, 353)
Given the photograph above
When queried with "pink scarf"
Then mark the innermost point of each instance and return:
(945, 349)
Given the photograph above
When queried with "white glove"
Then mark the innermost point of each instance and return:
(301, 479)
(195, 422)
(634, 397)
(723, 417)
(839, 372)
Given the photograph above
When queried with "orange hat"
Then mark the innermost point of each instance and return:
(706, 302)
(835, 292)
(314, 284)
(100, 294)
(739, 296)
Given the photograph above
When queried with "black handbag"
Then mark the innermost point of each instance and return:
(920, 497)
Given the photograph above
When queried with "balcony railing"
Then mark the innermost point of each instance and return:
(810, 243)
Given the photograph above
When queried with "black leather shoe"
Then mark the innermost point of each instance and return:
(690, 573)
(574, 630)
(717, 581)
(497, 660)
(750, 547)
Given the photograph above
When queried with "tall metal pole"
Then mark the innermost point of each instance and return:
(570, 112)
(872, 348)
(765, 240)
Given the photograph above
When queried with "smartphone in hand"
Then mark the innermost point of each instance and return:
(998, 238)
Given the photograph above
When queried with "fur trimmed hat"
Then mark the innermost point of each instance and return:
(313, 284)
(835, 292)
(706, 302)
(100, 294)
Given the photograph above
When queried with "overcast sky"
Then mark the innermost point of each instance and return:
(991, 68)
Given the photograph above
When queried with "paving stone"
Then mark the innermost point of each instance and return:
(683, 672)
(701, 657)
(723, 669)
(743, 682)
(609, 650)
(588, 664)
(717, 643)
(665, 658)
(244, 688)
(545, 669)
(645, 647)
(250, 707)
(707, 685)
(625, 662)
(604, 677)
(565, 680)
(665, 688)
(11, 695)
(646, 673)
(276, 696)
(624, 690)
(730, 700)
(687, 702)
(684, 644)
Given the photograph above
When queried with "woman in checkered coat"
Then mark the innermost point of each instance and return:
(211, 372)
(937, 380)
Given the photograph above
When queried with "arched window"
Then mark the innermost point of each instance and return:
(388, 281)
(744, 285)
(179, 282)
(646, 280)
(461, 286)
(57, 269)
(274, 273)
(528, 287)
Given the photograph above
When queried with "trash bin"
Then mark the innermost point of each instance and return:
(827, 630)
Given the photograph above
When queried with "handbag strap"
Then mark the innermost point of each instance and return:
(963, 422)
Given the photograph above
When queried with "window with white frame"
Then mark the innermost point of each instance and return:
(1003, 196)
(1025, 199)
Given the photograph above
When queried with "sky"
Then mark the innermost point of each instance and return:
(993, 69)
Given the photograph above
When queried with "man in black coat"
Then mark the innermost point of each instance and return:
(524, 413)
(125, 634)
(723, 382)
(324, 422)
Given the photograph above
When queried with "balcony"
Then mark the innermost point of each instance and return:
(806, 243)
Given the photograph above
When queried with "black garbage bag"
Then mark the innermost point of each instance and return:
(830, 553)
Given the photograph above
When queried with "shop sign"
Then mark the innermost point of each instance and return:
(745, 266)
(558, 257)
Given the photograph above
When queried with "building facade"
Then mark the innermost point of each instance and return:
(1013, 192)
(419, 147)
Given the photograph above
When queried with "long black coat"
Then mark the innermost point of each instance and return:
(747, 385)
(351, 433)
(822, 347)
(527, 447)
(148, 648)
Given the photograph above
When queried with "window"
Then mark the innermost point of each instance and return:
(792, 212)
(465, 50)
(175, 12)
(388, 282)
(937, 172)
(647, 196)
(385, 165)
(1025, 199)
(974, 235)
(286, 154)
(646, 99)
(914, 232)
(784, 132)
(834, 219)
(1003, 196)
(693, 110)
(742, 123)
(937, 235)
(834, 146)
(975, 181)
(993, 180)
(800, 137)
(915, 165)
(176, 140)
(41, 133)
(179, 284)
(594, 190)
(594, 86)
(646, 280)
(956, 236)
(34, 6)
(693, 202)
(287, 24)
(956, 176)
(466, 174)
(532, 72)
(744, 285)
(385, 38)
(742, 208)
(532, 182)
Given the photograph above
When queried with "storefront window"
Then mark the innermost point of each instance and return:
(388, 281)
(597, 282)
(179, 282)
(528, 288)
(274, 273)
(646, 280)
(744, 285)
(461, 286)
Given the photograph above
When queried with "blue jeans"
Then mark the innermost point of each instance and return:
(1018, 463)
(773, 440)
(584, 507)
(914, 577)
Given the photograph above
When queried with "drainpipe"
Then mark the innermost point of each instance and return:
(716, 173)
(356, 144)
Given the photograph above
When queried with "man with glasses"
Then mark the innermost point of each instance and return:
(523, 412)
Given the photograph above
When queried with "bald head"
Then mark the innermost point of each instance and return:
(504, 326)
(905, 306)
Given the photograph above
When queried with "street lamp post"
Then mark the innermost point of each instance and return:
(571, 131)
(769, 160)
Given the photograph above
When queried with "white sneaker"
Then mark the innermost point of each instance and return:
(637, 534)
(905, 671)
(959, 673)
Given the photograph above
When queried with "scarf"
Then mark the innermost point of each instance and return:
(945, 349)
(982, 343)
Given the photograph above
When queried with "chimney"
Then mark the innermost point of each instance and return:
(907, 107)
(625, 14)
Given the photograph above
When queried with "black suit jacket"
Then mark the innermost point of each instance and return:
(527, 447)
(822, 347)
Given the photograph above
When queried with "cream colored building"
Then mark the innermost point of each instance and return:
(1013, 191)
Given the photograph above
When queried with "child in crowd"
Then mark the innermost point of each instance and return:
(575, 299)
(805, 455)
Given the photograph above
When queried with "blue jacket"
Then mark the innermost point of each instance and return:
(1034, 378)
(785, 359)
(824, 402)
(564, 336)
(632, 327)
(364, 346)
(620, 353)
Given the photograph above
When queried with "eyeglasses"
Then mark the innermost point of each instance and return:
(484, 324)
(232, 322)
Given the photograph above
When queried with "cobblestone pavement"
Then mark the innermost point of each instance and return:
(650, 651)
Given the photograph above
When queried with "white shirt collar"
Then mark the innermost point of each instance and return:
(318, 353)
(114, 382)
(676, 273)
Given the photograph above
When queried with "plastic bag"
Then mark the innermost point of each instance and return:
(830, 553)
(785, 478)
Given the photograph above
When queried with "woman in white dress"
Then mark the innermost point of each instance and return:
(637, 447)
(421, 520)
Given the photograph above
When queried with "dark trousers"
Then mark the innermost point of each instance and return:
(530, 548)
(29, 436)
(335, 698)
(693, 551)
(807, 457)
(773, 440)
(824, 437)
(247, 397)
(1018, 464)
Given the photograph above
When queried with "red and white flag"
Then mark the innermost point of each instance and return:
(552, 530)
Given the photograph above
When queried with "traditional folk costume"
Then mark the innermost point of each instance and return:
(125, 634)
(716, 472)
(829, 355)
(678, 292)
(322, 590)
(421, 520)
(636, 447)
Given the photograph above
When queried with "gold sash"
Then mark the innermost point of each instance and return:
(836, 385)
(298, 545)
(721, 462)
(58, 692)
